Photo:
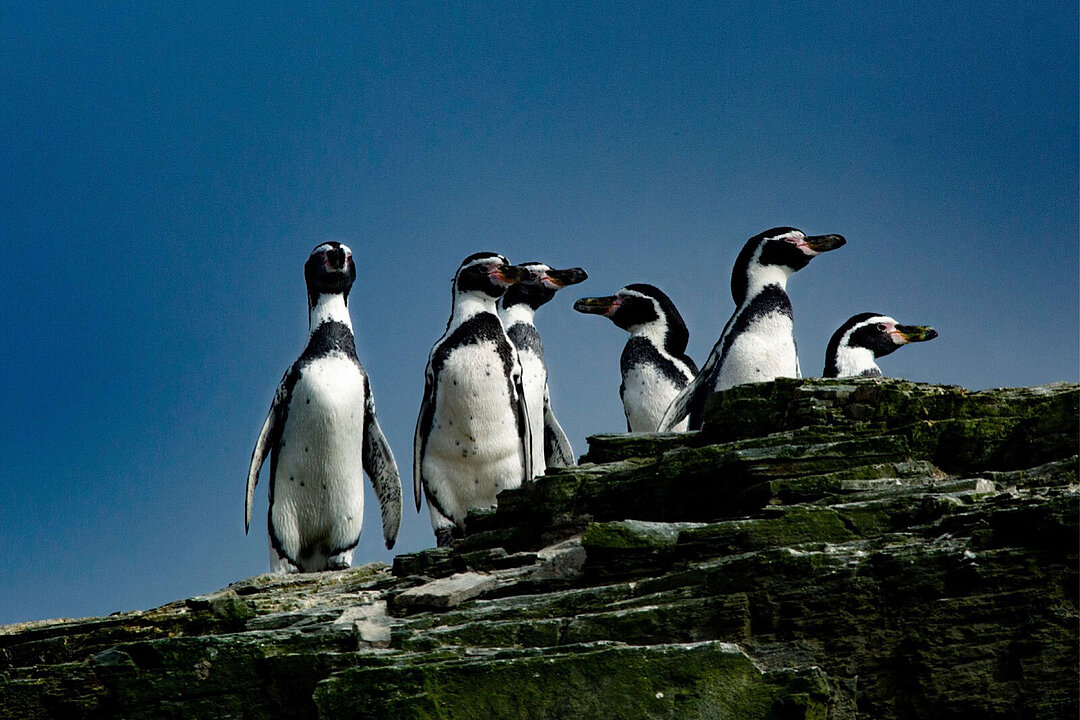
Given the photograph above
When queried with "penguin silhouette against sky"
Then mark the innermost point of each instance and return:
(654, 363)
(758, 342)
(472, 436)
(865, 337)
(517, 310)
(321, 435)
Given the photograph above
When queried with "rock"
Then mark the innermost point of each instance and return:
(445, 592)
(820, 549)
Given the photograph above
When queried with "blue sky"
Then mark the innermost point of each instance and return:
(167, 167)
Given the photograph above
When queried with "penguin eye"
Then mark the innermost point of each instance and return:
(882, 327)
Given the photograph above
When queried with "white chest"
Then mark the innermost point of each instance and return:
(474, 413)
(855, 361)
(322, 442)
(764, 350)
(534, 382)
(646, 394)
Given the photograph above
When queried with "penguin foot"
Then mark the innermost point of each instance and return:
(444, 536)
(341, 560)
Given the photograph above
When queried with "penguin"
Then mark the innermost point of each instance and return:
(517, 310)
(472, 436)
(322, 434)
(865, 337)
(758, 342)
(654, 363)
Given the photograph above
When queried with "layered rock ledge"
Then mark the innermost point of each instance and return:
(821, 549)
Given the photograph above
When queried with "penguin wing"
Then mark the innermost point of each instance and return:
(557, 450)
(269, 436)
(524, 428)
(679, 407)
(684, 401)
(382, 470)
(423, 427)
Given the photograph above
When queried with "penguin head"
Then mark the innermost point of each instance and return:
(866, 336)
(329, 270)
(489, 274)
(635, 307)
(543, 285)
(775, 254)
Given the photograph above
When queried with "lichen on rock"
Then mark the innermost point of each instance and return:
(820, 549)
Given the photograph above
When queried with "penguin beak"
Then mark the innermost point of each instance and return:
(823, 243)
(913, 333)
(558, 279)
(605, 306)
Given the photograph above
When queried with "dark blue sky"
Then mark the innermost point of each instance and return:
(166, 168)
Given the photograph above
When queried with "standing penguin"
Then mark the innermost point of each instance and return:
(322, 434)
(654, 363)
(865, 337)
(758, 342)
(517, 310)
(472, 437)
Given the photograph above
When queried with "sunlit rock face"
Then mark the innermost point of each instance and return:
(820, 549)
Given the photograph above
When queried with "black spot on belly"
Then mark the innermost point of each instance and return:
(308, 401)
(301, 483)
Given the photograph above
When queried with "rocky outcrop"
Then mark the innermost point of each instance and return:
(821, 549)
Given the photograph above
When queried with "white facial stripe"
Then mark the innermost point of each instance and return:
(539, 271)
(327, 247)
(877, 319)
(486, 260)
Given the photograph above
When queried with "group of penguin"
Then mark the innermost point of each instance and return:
(486, 422)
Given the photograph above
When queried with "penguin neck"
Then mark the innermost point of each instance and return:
(654, 332)
(855, 361)
(761, 276)
(517, 313)
(469, 304)
(329, 307)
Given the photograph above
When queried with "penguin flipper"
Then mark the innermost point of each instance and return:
(524, 431)
(679, 407)
(268, 438)
(684, 401)
(557, 450)
(382, 471)
(423, 427)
